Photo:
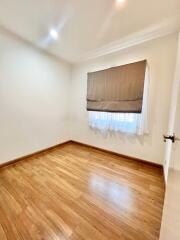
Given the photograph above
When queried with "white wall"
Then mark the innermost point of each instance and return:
(33, 98)
(160, 55)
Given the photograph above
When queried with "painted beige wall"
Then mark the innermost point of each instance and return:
(33, 98)
(160, 55)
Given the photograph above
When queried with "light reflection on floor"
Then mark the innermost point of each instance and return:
(111, 191)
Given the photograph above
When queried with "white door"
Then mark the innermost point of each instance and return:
(170, 228)
(172, 150)
(175, 155)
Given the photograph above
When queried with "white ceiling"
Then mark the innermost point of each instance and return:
(83, 25)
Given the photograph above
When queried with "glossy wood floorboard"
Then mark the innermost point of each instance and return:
(78, 193)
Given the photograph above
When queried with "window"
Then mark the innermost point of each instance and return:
(118, 101)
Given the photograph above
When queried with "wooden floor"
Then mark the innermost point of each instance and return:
(78, 193)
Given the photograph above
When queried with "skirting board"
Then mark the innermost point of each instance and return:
(118, 154)
(31, 155)
(83, 144)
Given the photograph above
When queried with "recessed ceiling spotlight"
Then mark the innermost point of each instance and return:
(54, 34)
(120, 1)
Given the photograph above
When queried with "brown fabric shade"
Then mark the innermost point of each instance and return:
(117, 89)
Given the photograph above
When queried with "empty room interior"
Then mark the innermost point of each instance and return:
(89, 120)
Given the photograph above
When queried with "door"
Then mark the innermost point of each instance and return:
(170, 228)
(172, 148)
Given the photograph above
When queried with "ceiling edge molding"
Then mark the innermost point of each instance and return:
(154, 32)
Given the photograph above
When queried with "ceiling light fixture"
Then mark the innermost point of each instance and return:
(54, 34)
(120, 1)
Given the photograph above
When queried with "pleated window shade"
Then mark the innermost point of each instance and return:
(117, 89)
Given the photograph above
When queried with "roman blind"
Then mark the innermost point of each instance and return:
(117, 89)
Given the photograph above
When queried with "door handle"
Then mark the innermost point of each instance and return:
(173, 138)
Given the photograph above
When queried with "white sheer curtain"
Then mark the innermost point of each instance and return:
(130, 123)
